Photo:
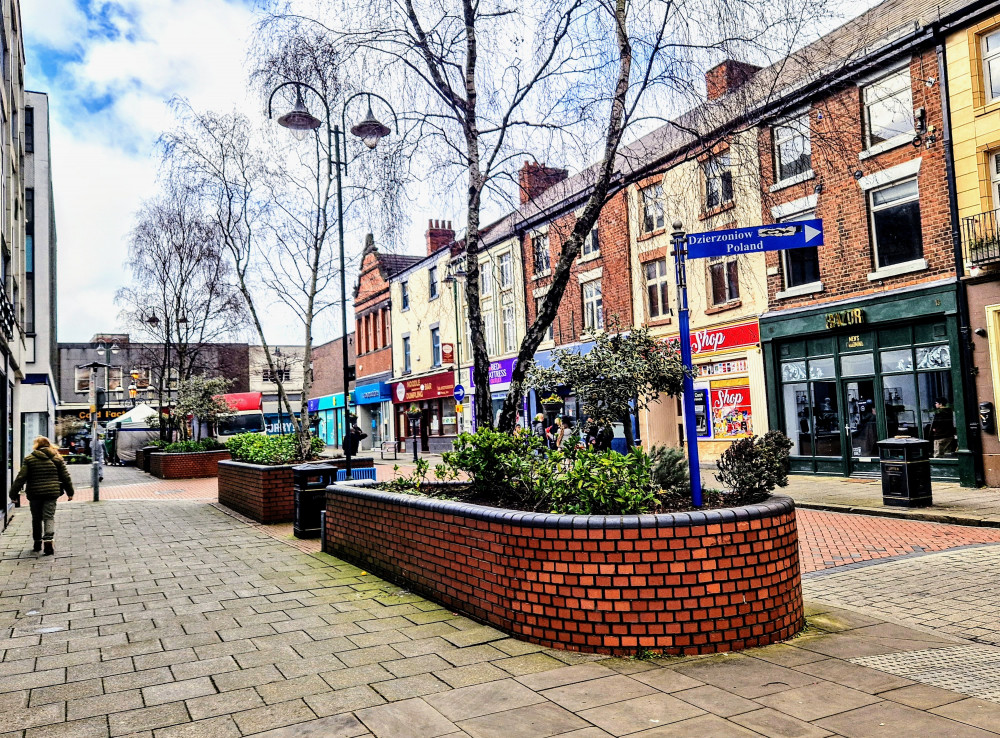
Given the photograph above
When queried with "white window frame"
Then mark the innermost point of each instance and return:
(725, 261)
(782, 133)
(903, 85)
(404, 294)
(905, 267)
(116, 378)
(509, 328)
(81, 381)
(650, 200)
(436, 346)
(540, 248)
(715, 169)
(989, 56)
(593, 306)
(432, 283)
(505, 265)
(807, 288)
(994, 165)
(658, 282)
(591, 244)
(485, 279)
(490, 328)
(407, 362)
(550, 331)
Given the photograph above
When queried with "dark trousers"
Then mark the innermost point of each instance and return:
(43, 514)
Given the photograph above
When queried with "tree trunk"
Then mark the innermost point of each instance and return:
(626, 422)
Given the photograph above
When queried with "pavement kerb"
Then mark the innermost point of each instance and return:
(920, 514)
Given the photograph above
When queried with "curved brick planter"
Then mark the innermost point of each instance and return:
(684, 583)
(186, 465)
(265, 493)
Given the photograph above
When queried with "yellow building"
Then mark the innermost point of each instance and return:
(973, 95)
(725, 296)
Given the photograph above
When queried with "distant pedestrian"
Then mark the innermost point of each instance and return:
(353, 436)
(46, 477)
(538, 428)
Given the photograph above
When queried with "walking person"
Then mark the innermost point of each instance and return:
(45, 474)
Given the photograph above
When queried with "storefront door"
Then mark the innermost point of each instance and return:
(862, 426)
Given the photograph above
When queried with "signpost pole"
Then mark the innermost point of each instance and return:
(679, 243)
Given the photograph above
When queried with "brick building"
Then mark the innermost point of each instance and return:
(863, 338)
(373, 366)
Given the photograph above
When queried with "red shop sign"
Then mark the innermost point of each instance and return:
(425, 388)
(731, 413)
(726, 338)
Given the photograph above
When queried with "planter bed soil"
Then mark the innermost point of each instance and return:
(265, 493)
(191, 465)
(679, 583)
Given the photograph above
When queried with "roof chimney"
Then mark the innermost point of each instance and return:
(439, 235)
(728, 76)
(534, 179)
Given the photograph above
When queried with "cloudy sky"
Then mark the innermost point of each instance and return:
(110, 67)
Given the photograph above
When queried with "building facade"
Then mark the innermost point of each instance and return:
(326, 393)
(289, 370)
(373, 321)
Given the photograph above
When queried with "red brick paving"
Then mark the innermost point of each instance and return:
(828, 539)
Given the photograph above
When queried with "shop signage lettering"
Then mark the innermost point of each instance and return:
(855, 342)
(731, 412)
(500, 371)
(102, 415)
(425, 388)
(843, 318)
(727, 338)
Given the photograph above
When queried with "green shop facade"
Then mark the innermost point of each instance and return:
(845, 375)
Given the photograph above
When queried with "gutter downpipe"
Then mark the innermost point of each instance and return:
(969, 394)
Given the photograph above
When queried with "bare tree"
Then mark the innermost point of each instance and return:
(181, 296)
(487, 85)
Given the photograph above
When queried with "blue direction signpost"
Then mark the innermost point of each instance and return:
(459, 393)
(732, 242)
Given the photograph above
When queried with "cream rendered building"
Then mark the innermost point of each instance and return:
(725, 296)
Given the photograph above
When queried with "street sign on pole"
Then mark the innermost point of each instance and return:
(459, 393)
(736, 241)
(679, 242)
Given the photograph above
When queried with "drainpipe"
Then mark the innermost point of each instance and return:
(973, 432)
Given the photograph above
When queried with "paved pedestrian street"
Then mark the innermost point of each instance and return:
(171, 618)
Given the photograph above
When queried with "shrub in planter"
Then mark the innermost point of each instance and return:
(752, 467)
(187, 447)
(255, 448)
(670, 470)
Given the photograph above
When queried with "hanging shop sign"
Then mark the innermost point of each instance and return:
(425, 388)
(447, 353)
(731, 412)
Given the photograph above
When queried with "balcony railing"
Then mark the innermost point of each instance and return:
(981, 238)
(6, 317)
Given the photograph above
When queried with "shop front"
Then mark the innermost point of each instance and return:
(374, 403)
(729, 394)
(434, 396)
(843, 377)
(329, 411)
(500, 372)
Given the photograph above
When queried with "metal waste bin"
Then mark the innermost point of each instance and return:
(310, 482)
(906, 472)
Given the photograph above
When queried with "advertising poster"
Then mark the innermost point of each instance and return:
(731, 414)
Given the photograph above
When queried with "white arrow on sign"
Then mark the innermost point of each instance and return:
(811, 233)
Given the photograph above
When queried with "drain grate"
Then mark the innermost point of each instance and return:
(971, 670)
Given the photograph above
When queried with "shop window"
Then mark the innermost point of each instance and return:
(593, 306)
(436, 346)
(895, 215)
(724, 276)
(657, 289)
(407, 368)
(538, 310)
(792, 149)
(540, 253)
(991, 65)
(82, 377)
(592, 243)
(432, 282)
(812, 420)
(937, 412)
(506, 270)
(899, 396)
(652, 208)
(801, 266)
(404, 289)
(718, 181)
(857, 365)
(888, 108)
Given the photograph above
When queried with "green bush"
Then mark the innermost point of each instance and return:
(604, 483)
(670, 470)
(187, 447)
(256, 448)
(498, 464)
(752, 467)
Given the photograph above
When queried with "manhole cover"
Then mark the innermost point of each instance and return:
(970, 670)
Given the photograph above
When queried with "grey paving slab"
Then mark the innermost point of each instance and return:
(817, 700)
(337, 726)
(776, 724)
(533, 721)
(597, 692)
(412, 718)
(884, 719)
(483, 699)
(640, 713)
(716, 701)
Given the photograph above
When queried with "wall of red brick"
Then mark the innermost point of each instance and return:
(836, 137)
(616, 276)
(328, 366)
(679, 584)
(187, 466)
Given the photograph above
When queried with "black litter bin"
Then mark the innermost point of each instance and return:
(310, 482)
(906, 472)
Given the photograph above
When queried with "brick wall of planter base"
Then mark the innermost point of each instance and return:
(686, 583)
(188, 465)
(264, 493)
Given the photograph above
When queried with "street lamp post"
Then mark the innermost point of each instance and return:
(301, 122)
(165, 376)
(278, 378)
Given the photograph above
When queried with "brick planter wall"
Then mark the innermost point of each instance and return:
(264, 493)
(186, 465)
(138, 458)
(685, 583)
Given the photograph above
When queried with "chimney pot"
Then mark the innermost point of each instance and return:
(439, 235)
(728, 76)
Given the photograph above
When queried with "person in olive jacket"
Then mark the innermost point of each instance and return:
(46, 475)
